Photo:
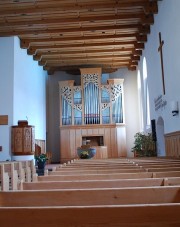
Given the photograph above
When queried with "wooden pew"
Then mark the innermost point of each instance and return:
(14, 173)
(154, 215)
(95, 176)
(96, 171)
(4, 179)
(91, 196)
(120, 183)
(146, 182)
(128, 199)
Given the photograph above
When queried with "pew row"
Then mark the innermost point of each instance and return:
(146, 182)
(159, 215)
(159, 206)
(107, 176)
(12, 173)
(97, 171)
(96, 199)
(56, 177)
(150, 182)
(91, 196)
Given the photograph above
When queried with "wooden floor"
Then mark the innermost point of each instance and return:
(139, 192)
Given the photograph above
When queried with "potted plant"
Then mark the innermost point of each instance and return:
(84, 154)
(41, 160)
(144, 145)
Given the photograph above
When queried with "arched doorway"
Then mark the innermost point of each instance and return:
(160, 137)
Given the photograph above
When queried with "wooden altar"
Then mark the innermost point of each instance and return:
(92, 111)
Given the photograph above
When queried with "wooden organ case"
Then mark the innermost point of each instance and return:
(94, 111)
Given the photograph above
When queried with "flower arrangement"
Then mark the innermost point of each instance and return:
(41, 158)
(84, 154)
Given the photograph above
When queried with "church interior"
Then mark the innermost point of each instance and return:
(93, 86)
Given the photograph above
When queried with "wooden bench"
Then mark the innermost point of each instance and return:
(146, 182)
(159, 206)
(12, 173)
(96, 171)
(94, 200)
(120, 183)
(159, 215)
(91, 196)
(95, 176)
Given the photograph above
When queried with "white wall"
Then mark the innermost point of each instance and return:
(131, 105)
(53, 117)
(22, 92)
(29, 91)
(6, 92)
(166, 22)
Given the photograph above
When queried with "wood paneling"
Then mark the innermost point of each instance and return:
(121, 141)
(40, 146)
(101, 152)
(71, 138)
(172, 143)
(23, 140)
(65, 145)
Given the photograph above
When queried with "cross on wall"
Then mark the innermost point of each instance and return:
(161, 43)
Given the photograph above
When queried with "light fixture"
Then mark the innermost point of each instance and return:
(174, 108)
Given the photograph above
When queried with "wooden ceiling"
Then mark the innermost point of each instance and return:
(65, 35)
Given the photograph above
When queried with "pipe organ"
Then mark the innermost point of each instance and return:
(92, 109)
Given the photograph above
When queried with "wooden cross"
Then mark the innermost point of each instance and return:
(161, 43)
(3, 119)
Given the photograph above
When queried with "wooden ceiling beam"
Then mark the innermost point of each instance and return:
(68, 68)
(18, 9)
(35, 32)
(142, 30)
(132, 68)
(44, 55)
(109, 34)
(151, 7)
(107, 62)
(33, 50)
(60, 21)
(139, 46)
(67, 58)
(25, 44)
(90, 58)
(131, 37)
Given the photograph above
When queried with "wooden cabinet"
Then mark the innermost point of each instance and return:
(23, 140)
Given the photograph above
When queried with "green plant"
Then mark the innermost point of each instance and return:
(84, 154)
(144, 144)
(41, 158)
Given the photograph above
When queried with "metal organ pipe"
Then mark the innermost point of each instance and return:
(91, 104)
